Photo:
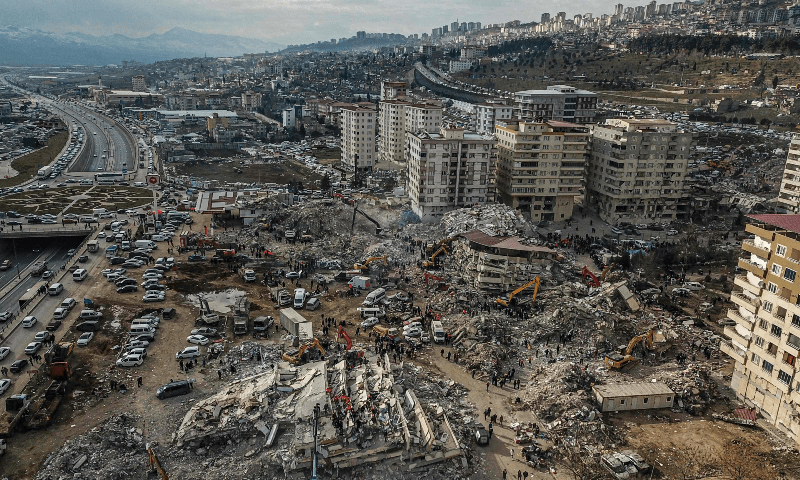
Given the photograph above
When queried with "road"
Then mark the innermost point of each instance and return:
(55, 256)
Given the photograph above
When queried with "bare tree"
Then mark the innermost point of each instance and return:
(738, 461)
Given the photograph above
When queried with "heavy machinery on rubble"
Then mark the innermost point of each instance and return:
(625, 360)
(343, 334)
(432, 261)
(365, 265)
(43, 407)
(17, 407)
(535, 282)
(241, 316)
(429, 276)
(592, 280)
(445, 242)
(378, 228)
(207, 318)
(298, 358)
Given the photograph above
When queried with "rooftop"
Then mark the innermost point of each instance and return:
(786, 222)
(632, 389)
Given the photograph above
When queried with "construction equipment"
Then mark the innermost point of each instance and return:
(429, 276)
(207, 317)
(626, 360)
(343, 333)
(60, 351)
(206, 243)
(17, 407)
(296, 358)
(432, 261)
(441, 243)
(155, 463)
(385, 331)
(378, 228)
(593, 280)
(536, 281)
(606, 271)
(365, 265)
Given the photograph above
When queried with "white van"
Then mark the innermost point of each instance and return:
(367, 312)
(139, 329)
(143, 321)
(299, 297)
(146, 244)
(90, 315)
(437, 331)
(374, 297)
(55, 289)
(79, 274)
(60, 313)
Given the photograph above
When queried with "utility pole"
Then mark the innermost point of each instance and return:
(316, 445)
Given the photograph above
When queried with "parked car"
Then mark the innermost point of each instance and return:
(4, 351)
(154, 297)
(130, 360)
(188, 352)
(137, 344)
(205, 331)
(18, 366)
(4, 385)
(91, 326)
(32, 348)
(127, 289)
(5, 316)
(197, 339)
(29, 321)
(42, 336)
(694, 286)
(370, 322)
(85, 338)
(172, 389)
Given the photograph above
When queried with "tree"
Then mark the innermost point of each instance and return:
(325, 183)
(738, 462)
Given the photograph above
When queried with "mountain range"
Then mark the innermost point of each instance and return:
(28, 46)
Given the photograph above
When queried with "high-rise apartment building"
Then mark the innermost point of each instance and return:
(637, 171)
(765, 339)
(558, 102)
(545, 18)
(358, 137)
(392, 90)
(789, 196)
(487, 114)
(540, 166)
(448, 170)
(398, 117)
(138, 84)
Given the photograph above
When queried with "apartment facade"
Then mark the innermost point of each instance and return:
(487, 115)
(358, 137)
(393, 90)
(138, 84)
(557, 102)
(765, 339)
(637, 171)
(397, 117)
(448, 170)
(540, 166)
(789, 197)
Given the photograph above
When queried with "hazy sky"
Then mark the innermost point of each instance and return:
(284, 21)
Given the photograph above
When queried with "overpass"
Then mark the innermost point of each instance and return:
(40, 231)
(424, 78)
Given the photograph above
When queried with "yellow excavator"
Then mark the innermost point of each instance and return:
(296, 357)
(536, 281)
(365, 265)
(432, 261)
(445, 242)
(626, 360)
(606, 271)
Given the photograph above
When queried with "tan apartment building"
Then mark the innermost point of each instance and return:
(397, 117)
(789, 196)
(448, 170)
(138, 84)
(540, 166)
(392, 90)
(637, 171)
(765, 339)
(358, 136)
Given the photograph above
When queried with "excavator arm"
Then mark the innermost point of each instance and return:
(593, 281)
(536, 281)
(606, 271)
(343, 333)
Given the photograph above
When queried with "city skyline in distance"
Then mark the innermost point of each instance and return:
(282, 21)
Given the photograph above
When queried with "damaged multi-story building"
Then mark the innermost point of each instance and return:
(788, 200)
(764, 341)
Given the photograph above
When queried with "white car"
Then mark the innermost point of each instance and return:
(197, 339)
(85, 338)
(4, 384)
(370, 322)
(138, 344)
(413, 332)
(4, 351)
(130, 360)
(32, 348)
(693, 286)
(151, 275)
(204, 331)
(188, 352)
(154, 296)
(672, 232)
(28, 321)
(138, 351)
(101, 235)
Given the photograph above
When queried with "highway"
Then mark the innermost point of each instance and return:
(27, 253)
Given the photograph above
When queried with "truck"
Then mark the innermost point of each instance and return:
(437, 332)
(44, 172)
(17, 407)
(241, 315)
(360, 282)
(292, 321)
(281, 296)
(92, 245)
(111, 251)
(38, 268)
(261, 326)
(239, 324)
(45, 406)
(59, 353)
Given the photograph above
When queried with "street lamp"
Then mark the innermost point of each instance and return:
(316, 445)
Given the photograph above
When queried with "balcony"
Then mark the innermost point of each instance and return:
(732, 351)
(761, 232)
(734, 335)
(743, 282)
(749, 246)
(744, 321)
(744, 302)
(753, 268)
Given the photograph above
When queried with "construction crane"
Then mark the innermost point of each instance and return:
(364, 266)
(378, 228)
(432, 261)
(296, 358)
(626, 360)
(536, 281)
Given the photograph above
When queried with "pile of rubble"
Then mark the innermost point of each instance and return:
(113, 450)
(558, 389)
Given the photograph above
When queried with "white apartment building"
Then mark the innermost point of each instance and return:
(637, 171)
(448, 170)
(788, 199)
(138, 84)
(558, 102)
(764, 340)
(358, 136)
(487, 114)
(397, 117)
(460, 65)
(393, 90)
(540, 167)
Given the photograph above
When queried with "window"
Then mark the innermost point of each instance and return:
(646, 400)
(796, 320)
(776, 331)
(780, 250)
(788, 358)
(763, 323)
(759, 341)
(669, 399)
(784, 377)
(766, 366)
(772, 349)
(755, 359)
(776, 269)
(772, 288)
(793, 341)
(789, 274)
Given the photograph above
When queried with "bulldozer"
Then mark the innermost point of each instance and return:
(432, 261)
(296, 358)
(625, 360)
(365, 265)
(536, 281)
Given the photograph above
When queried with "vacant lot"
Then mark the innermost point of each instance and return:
(78, 200)
(281, 173)
(29, 164)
